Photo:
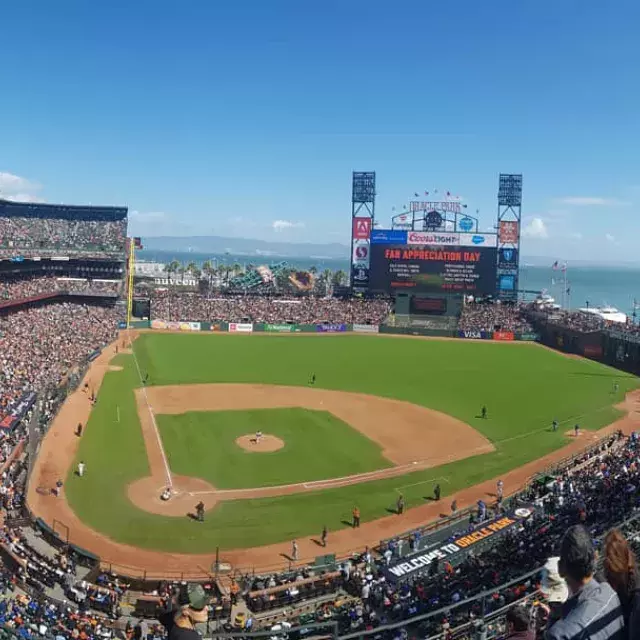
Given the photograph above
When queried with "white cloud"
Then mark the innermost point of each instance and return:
(590, 201)
(536, 229)
(281, 225)
(147, 217)
(575, 235)
(19, 189)
(609, 238)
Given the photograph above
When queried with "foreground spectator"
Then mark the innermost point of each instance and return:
(593, 611)
(519, 624)
(621, 573)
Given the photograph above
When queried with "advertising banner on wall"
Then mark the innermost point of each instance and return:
(361, 228)
(504, 336)
(388, 236)
(508, 232)
(475, 335)
(189, 326)
(478, 240)
(282, 328)
(240, 327)
(406, 567)
(428, 238)
(331, 328)
(10, 420)
(527, 337)
(366, 328)
(507, 258)
(360, 256)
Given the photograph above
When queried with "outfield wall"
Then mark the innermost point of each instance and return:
(260, 327)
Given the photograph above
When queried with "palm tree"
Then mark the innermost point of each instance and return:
(339, 278)
(237, 269)
(207, 267)
(326, 281)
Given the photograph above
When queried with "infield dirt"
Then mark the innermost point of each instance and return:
(58, 451)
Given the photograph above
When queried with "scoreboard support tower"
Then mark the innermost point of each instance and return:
(363, 207)
(508, 229)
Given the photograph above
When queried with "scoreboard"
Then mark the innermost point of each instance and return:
(461, 263)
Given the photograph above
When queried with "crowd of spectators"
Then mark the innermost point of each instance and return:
(27, 287)
(43, 235)
(67, 333)
(193, 307)
(571, 514)
(577, 320)
(493, 316)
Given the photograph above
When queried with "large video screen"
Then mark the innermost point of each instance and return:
(432, 268)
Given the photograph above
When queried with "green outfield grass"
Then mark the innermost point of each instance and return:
(202, 444)
(523, 386)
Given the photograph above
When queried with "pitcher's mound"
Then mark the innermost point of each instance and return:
(265, 444)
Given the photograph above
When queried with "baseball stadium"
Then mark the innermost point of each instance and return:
(397, 453)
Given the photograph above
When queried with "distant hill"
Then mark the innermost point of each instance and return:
(244, 246)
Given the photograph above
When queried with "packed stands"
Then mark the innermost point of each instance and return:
(28, 230)
(193, 307)
(489, 316)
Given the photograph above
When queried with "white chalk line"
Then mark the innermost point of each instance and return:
(153, 418)
(416, 484)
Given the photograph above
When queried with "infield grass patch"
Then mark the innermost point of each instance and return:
(318, 446)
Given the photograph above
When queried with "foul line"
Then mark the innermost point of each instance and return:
(153, 418)
(416, 484)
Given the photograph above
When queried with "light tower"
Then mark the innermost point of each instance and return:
(363, 206)
(509, 218)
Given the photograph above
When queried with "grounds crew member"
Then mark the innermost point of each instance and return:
(356, 517)
(436, 492)
(400, 505)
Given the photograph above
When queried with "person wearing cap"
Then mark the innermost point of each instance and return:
(192, 609)
(593, 608)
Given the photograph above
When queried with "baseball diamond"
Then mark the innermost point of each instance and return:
(385, 417)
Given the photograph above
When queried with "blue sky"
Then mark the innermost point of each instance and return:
(247, 118)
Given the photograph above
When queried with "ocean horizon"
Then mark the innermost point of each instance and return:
(596, 285)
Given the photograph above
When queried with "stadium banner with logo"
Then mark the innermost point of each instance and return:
(428, 238)
(508, 232)
(122, 324)
(401, 568)
(240, 327)
(527, 337)
(504, 336)
(478, 240)
(388, 236)
(281, 328)
(475, 335)
(365, 328)
(360, 250)
(331, 328)
(361, 228)
(190, 326)
(218, 326)
(10, 420)
(158, 324)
